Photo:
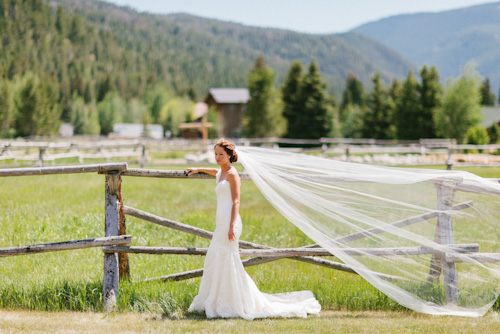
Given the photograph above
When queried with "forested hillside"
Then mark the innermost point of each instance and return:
(203, 53)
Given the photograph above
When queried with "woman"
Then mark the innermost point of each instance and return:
(226, 290)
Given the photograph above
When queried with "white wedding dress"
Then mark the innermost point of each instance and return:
(226, 290)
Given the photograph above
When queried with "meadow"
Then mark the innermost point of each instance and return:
(38, 209)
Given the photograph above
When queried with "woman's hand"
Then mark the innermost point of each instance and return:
(191, 171)
(231, 235)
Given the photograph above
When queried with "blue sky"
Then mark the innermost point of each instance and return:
(311, 16)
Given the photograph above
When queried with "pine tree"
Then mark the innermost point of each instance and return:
(26, 104)
(494, 133)
(109, 111)
(407, 110)
(378, 122)
(6, 108)
(46, 118)
(85, 118)
(61, 22)
(290, 91)
(487, 97)
(430, 93)
(353, 95)
(312, 100)
(258, 121)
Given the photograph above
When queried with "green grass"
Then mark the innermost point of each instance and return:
(40, 209)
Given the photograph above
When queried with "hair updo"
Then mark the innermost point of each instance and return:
(229, 148)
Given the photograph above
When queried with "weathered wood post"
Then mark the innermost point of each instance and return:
(444, 236)
(143, 157)
(41, 152)
(449, 162)
(113, 216)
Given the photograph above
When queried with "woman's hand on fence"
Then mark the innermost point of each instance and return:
(190, 171)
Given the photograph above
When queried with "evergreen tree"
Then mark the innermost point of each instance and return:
(38, 111)
(75, 32)
(46, 118)
(487, 97)
(109, 111)
(407, 110)
(353, 125)
(6, 109)
(461, 106)
(85, 117)
(378, 121)
(61, 22)
(155, 99)
(26, 104)
(430, 93)
(315, 117)
(290, 91)
(257, 122)
(104, 86)
(494, 133)
(353, 95)
(395, 91)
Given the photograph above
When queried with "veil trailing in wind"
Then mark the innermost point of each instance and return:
(428, 239)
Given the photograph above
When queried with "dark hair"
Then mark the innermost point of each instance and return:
(229, 148)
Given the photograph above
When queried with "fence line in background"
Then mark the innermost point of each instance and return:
(40, 152)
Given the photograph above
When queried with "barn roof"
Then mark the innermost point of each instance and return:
(230, 95)
(491, 115)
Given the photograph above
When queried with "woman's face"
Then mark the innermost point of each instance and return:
(221, 156)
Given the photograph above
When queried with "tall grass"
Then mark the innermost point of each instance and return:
(40, 209)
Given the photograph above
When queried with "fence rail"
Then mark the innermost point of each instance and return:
(348, 149)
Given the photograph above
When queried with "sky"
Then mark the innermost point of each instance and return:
(310, 16)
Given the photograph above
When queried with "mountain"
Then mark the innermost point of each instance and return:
(204, 53)
(446, 39)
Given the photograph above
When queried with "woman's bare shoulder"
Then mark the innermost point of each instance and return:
(233, 173)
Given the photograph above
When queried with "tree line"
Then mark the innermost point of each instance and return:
(57, 67)
(410, 109)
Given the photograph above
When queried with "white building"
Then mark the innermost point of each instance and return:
(130, 130)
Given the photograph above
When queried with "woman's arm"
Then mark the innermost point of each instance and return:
(235, 184)
(210, 171)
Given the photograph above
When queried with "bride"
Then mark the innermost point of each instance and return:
(226, 290)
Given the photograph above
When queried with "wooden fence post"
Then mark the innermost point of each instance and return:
(143, 156)
(449, 162)
(444, 236)
(41, 152)
(123, 262)
(111, 228)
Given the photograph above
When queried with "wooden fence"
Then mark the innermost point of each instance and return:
(115, 238)
(38, 153)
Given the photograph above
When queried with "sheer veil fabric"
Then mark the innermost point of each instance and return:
(423, 237)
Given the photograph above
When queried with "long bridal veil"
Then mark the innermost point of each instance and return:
(429, 239)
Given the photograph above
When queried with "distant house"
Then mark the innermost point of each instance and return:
(66, 130)
(230, 103)
(130, 130)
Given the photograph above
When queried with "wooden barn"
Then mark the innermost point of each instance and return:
(230, 103)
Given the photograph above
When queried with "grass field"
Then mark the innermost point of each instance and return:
(327, 322)
(39, 209)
